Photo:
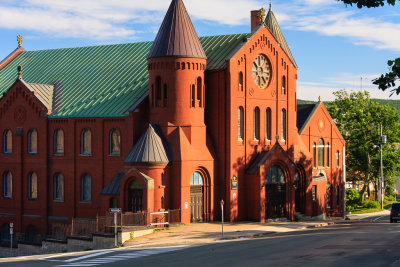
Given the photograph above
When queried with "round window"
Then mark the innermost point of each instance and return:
(261, 71)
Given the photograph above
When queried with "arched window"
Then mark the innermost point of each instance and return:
(7, 141)
(32, 142)
(241, 81)
(32, 186)
(199, 91)
(86, 142)
(337, 196)
(240, 123)
(256, 124)
(284, 84)
(7, 185)
(115, 139)
(283, 124)
(158, 87)
(315, 155)
(268, 124)
(337, 159)
(327, 155)
(59, 187)
(59, 141)
(196, 179)
(321, 158)
(165, 94)
(86, 188)
(275, 175)
(162, 203)
(193, 96)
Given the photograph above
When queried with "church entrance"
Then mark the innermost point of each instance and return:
(275, 193)
(135, 197)
(196, 197)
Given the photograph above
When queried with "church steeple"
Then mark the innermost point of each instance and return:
(274, 28)
(177, 36)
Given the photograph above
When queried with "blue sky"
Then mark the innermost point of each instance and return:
(336, 47)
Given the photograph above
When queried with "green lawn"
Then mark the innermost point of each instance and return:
(361, 210)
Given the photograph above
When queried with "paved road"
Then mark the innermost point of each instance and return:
(353, 244)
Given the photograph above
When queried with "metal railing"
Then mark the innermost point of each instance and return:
(105, 224)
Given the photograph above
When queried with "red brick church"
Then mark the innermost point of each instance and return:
(179, 123)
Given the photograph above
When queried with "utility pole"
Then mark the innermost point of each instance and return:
(381, 180)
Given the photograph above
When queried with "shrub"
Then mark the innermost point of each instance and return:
(389, 198)
(371, 204)
(352, 198)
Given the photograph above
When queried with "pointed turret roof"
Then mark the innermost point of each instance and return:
(177, 36)
(274, 28)
(150, 149)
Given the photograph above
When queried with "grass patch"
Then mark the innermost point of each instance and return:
(364, 210)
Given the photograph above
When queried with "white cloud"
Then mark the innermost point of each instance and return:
(104, 19)
(348, 81)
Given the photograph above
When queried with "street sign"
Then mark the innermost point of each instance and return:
(11, 228)
(115, 210)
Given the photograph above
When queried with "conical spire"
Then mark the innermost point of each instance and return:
(177, 36)
(274, 28)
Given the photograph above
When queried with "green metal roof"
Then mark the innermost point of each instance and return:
(100, 81)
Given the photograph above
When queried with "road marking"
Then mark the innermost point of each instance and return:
(88, 256)
(115, 258)
(379, 218)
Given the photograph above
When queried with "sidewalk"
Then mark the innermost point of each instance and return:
(198, 233)
(363, 216)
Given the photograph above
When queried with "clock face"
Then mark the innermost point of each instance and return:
(261, 71)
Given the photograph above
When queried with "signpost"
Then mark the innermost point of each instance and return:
(222, 211)
(11, 238)
(115, 211)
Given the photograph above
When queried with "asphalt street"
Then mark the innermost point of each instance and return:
(353, 244)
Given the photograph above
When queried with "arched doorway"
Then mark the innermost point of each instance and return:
(5, 233)
(135, 196)
(31, 234)
(275, 193)
(196, 197)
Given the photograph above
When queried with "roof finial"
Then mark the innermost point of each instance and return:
(270, 5)
(19, 68)
(277, 138)
(19, 40)
(319, 99)
(262, 14)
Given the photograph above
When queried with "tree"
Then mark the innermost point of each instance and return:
(359, 120)
(387, 80)
(369, 3)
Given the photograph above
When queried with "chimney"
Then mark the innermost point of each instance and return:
(255, 19)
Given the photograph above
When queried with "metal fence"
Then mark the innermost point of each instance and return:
(105, 224)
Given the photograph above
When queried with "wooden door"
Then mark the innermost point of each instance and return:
(196, 202)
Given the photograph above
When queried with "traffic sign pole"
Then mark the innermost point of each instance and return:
(115, 228)
(222, 211)
(11, 237)
(115, 211)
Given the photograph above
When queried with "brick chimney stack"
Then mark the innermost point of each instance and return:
(255, 18)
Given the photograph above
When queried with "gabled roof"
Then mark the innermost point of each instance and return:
(274, 28)
(304, 112)
(177, 36)
(113, 188)
(150, 149)
(44, 92)
(101, 81)
(263, 156)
